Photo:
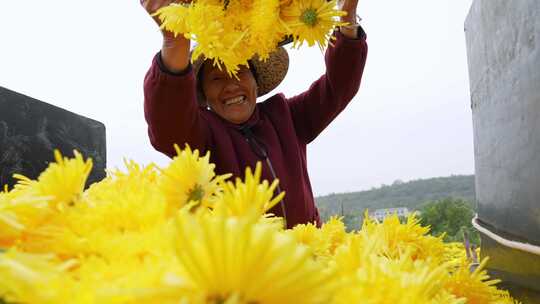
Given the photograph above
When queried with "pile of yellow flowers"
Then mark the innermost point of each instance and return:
(230, 32)
(182, 234)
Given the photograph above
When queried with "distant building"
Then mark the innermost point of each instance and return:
(381, 214)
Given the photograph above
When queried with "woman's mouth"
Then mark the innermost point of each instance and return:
(235, 100)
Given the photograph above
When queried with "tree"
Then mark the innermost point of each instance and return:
(351, 222)
(450, 216)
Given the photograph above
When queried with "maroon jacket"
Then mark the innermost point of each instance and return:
(284, 126)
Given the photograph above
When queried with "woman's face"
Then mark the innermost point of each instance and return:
(232, 99)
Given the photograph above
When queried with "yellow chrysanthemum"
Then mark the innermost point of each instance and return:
(174, 18)
(61, 183)
(10, 224)
(112, 282)
(265, 28)
(138, 208)
(189, 178)
(218, 34)
(311, 21)
(407, 237)
(311, 236)
(31, 278)
(231, 32)
(125, 240)
(239, 260)
(335, 232)
(455, 254)
(355, 253)
(402, 281)
(324, 241)
(130, 197)
(476, 286)
(216, 31)
(251, 197)
(33, 202)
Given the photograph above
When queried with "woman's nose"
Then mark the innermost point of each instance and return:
(232, 85)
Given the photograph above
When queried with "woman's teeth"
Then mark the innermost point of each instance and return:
(235, 100)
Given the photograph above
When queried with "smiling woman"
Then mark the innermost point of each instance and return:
(214, 110)
(231, 98)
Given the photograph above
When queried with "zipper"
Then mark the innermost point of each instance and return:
(260, 150)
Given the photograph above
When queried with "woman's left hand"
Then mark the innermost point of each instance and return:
(348, 6)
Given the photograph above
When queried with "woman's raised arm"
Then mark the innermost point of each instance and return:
(171, 108)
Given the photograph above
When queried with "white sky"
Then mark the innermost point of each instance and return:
(411, 118)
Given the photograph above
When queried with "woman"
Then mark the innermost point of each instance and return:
(202, 106)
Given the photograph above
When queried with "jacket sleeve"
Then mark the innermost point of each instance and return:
(172, 111)
(314, 109)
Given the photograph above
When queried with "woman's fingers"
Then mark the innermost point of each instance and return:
(348, 6)
(151, 6)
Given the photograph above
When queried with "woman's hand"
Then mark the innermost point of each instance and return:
(175, 50)
(349, 6)
(152, 6)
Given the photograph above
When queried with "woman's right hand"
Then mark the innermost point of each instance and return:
(175, 50)
(152, 6)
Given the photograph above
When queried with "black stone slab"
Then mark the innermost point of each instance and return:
(30, 131)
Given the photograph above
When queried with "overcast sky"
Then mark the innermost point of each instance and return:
(411, 118)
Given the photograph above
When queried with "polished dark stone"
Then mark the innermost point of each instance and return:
(30, 130)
